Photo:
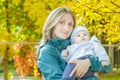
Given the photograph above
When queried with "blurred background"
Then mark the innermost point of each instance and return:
(21, 23)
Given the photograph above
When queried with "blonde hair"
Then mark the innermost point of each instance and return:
(52, 20)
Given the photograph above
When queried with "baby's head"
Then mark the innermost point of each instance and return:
(79, 34)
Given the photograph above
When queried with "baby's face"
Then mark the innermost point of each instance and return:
(81, 36)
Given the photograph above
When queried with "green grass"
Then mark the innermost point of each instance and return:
(11, 70)
(110, 76)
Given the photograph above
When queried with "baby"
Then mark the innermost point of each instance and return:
(83, 47)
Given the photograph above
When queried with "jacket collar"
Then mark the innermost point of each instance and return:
(60, 44)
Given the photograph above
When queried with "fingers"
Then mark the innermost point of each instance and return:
(80, 73)
(81, 67)
(73, 71)
(76, 68)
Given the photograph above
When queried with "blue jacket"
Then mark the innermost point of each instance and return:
(52, 65)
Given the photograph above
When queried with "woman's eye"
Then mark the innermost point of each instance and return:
(71, 24)
(61, 22)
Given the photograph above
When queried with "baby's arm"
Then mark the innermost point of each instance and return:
(65, 53)
(102, 54)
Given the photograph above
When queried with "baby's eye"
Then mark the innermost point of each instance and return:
(85, 34)
(78, 35)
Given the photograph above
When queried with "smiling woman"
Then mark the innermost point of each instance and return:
(56, 31)
(58, 23)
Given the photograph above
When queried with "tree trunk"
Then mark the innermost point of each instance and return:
(5, 63)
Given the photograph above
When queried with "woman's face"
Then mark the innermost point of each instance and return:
(64, 27)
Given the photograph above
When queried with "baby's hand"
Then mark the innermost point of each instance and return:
(105, 63)
(65, 53)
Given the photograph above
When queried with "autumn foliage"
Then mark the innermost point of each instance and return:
(25, 60)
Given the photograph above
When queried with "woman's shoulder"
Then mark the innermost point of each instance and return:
(47, 46)
(46, 49)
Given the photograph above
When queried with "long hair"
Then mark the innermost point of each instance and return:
(52, 20)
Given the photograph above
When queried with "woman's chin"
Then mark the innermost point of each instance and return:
(64, 37)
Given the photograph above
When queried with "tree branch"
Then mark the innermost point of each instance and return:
(115, 4)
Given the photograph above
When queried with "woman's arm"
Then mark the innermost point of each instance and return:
(97, 66)
(48, 64)
(82, 66)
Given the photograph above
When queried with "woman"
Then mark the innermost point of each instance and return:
(56, 32)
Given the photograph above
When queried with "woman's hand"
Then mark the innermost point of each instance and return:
(81, 67)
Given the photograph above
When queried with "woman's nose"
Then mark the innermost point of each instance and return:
(66, 27)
